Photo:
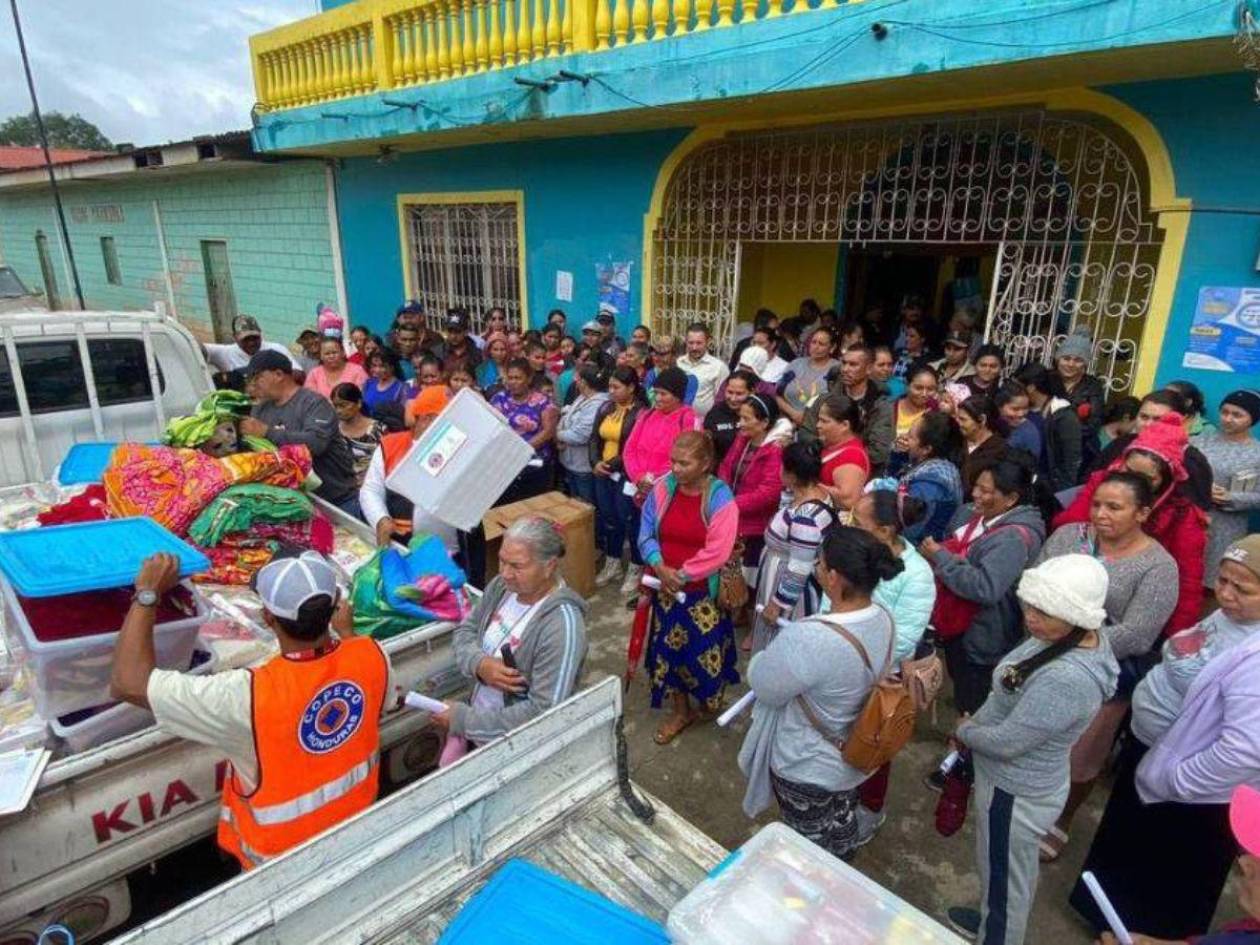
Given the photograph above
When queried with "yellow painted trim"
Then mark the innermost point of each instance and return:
(446, 198)
(1161, 182)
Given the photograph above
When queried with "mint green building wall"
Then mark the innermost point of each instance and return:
(273, 217)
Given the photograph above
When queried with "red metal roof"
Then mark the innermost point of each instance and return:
(14, 158)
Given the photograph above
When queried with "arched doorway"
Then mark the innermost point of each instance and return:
(1059, 201)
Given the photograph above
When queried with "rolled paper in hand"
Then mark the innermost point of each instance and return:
(950, 760)
(416, 700)
(742, 704)
(655, 584)
(1106, 908)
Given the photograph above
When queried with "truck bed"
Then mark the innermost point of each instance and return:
(551, 792)
(604, 847)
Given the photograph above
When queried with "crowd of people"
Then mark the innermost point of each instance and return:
(841, 497)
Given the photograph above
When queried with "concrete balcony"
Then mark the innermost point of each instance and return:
(375, 73)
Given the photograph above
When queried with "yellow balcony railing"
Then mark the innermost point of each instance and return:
(375, 45)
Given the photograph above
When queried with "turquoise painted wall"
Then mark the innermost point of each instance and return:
(584, 203)
(273, 217)
(1209, 126)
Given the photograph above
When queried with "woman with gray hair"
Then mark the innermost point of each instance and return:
(524, 642)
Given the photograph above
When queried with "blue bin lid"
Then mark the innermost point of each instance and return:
(524, 905)
(89, 556)
(84, 463)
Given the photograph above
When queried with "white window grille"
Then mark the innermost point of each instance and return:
(465, 255)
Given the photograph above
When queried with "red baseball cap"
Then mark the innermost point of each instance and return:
(1244, 817)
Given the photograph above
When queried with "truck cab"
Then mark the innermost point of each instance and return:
(71, 377)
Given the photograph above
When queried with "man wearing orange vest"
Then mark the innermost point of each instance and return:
(301, 731)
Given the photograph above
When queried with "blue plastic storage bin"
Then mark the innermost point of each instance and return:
(89, 556)
(85, 463)
(525, 905)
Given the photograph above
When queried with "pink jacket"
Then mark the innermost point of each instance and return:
(721, 518)
(759, 489)
(647, 450)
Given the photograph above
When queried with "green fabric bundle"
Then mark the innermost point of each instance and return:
(239, 508)
(215, 408)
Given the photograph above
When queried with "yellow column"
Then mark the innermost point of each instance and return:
(509, 32)
(455, 42)
(412, 30)
(566, 27)
(538, 35)
(381, 56)
(445, 39)
(774, 8)
(725, 10)
(748, 12)
(553, 28)
(524, 31)
(640, 19)
(496, 37)
(483, 42)
(308, 77)
(397, 27)
(621, 21)
(322, 71)
(603, 24)
(660, 18)
(470, 45)
(682, 15)
(429, 51)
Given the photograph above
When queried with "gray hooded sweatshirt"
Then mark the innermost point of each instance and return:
(550, 657)
(1020, 741)
(988, 576)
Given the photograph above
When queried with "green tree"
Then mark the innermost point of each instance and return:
(64, 131)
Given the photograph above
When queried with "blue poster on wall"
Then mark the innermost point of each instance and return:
(613, 279)
(1225, 334)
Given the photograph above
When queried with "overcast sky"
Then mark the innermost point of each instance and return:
(144, 71)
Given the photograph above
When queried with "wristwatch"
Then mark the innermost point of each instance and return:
(145, 598)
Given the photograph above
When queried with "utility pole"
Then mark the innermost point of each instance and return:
(48, 164)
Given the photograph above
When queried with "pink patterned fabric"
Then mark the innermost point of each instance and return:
(172, 485)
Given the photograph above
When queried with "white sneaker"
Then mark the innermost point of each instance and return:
(869, 823)
(611, 572)
(634, 574)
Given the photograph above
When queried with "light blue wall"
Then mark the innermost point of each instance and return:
(1210, 126)
(584, 203)
(273, 217)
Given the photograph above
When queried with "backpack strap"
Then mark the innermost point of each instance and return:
(834, 623)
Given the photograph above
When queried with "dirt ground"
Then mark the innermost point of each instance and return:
(698, 776)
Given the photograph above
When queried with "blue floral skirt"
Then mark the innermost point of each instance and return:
(691, 649)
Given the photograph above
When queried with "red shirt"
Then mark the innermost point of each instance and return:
(682, 530)
(850, 453)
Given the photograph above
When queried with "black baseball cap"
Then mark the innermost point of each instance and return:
(268, 360)
(456, 319)
(961, 339)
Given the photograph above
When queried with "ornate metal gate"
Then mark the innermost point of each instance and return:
(1061, 201)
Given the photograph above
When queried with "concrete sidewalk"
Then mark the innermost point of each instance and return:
(698, 776)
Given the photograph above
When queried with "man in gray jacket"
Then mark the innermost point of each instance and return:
(524, 644)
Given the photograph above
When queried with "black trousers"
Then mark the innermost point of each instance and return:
(972, 681)
(1162, 865)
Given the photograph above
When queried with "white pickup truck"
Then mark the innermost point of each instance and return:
(109, 812)
(106, 814)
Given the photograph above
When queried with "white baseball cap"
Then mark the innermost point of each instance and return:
(287, 583)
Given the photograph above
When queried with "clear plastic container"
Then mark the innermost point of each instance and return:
(781, 889)
(114, 720)
(69, 675)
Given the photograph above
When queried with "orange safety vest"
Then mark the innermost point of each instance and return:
(316, 731)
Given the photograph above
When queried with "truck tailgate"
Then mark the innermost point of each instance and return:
(397, 872)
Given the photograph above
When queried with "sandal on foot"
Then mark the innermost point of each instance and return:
(671, 729)
(1050, 847)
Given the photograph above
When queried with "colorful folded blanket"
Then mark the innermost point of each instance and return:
(240, 508)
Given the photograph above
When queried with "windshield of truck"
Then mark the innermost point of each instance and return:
(10, 285)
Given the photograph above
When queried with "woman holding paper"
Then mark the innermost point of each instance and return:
(1234, 454)
(615, 513)
(524, 643)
